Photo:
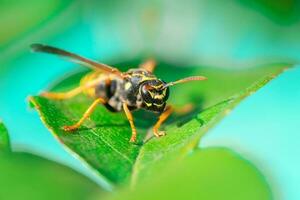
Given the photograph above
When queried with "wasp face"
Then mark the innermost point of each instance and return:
(154, 96)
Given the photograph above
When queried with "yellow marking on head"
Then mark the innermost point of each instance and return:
(157, 86)
(148, 104)
(145, 78)
(158, 105)
(159, 96)
(151, 94)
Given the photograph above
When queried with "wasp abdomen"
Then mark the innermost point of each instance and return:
(107, 88)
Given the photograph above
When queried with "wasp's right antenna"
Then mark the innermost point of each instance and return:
(184, 80)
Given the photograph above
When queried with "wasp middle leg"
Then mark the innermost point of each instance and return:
(87, 113)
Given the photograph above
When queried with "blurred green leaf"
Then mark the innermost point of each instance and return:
(26, 176)
(25, 22)
(280, 11)
(4, 139)
(103, 143)
(19, 17)
(213, 173)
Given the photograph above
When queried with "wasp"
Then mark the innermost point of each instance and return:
(118, 91)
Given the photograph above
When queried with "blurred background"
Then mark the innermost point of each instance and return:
(225, 34)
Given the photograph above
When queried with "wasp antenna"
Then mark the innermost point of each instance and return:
(184, 80)
(36, 47)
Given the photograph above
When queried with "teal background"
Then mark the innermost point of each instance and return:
(264, 129)
(226, 34)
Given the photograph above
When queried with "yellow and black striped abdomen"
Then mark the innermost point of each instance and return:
(105, 86)
(92, 76)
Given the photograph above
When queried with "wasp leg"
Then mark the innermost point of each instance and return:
(148, 65)
(87, 113)
(130, 119)
(63, 95)
(162, 118)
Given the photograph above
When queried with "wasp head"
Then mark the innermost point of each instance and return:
(155, 92)
(154, 95)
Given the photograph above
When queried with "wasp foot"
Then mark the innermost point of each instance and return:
(159, 133)
(69, 128)
(133, 137)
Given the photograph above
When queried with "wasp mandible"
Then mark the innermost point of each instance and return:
(118, 91)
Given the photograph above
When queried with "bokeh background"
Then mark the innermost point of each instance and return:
(224, 34)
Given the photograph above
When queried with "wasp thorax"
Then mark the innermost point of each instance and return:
(154, 95)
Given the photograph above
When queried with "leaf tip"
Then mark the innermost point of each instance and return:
(32, 102)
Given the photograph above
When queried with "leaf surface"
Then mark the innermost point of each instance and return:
(182, 140)
(102, 142)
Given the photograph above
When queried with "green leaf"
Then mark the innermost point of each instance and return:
(26, 176)
(183, 140)
(26, 22)
(4, 139)
(102, 142)
(32, 13)
(213, 173)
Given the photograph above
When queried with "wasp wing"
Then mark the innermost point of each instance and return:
(75, 58)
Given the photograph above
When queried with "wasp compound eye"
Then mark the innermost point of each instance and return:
(167, 93)
(147, 93)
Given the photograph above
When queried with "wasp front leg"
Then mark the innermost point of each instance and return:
(87, 113)
(130, 119)
(161, 119)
